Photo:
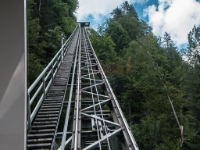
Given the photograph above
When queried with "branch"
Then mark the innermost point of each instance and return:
(40, 7)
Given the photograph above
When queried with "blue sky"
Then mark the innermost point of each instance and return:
(177, 17)
(139, 7)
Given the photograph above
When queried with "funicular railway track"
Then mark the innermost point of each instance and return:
(93, 117)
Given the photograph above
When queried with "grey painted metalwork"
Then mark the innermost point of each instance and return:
(126, 130)
(93, 117)
(51, 69)
(63, 143)
(45, 123)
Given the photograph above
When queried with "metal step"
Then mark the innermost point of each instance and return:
(51, 105)
(48, 112)
(44, 122)
(49, 126)
(54, 104)
(34, 136)
(47, 115)
(55, 99)
(41, 140)
(45, 119)
(42, 131)
(43, 146)
(50, 109)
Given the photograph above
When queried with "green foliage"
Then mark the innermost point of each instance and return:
(47, 21)
(34, 68)
(117, 13)
(130, 23)
(35, 49)
(137, 66)
(142, 68)
(73, 5)
(145, 28)
(52, 37)
(126, 9)
(191, 85)
(105, 47)
(118, 35)
(68, 25)
(193, 37)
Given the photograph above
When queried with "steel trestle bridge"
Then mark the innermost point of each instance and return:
(71, 104)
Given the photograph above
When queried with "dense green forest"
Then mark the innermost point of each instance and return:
(48, 21)
(157, 89)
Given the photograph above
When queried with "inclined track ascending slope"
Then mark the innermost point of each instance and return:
(98, 121)
(94, 119)
(45, 124)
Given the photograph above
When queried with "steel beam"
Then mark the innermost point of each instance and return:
(97, 119)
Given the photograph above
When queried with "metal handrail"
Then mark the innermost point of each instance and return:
(63, 141)
(47, 75)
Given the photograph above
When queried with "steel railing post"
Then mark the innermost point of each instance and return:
(44, 86)
(29, 112)
(42, 78)
(52, 72)
(62, 38)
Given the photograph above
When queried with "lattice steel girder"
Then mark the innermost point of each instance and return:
(98, 121)
(130, 141)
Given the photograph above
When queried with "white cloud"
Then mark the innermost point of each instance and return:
(99, 8)
(176, 17)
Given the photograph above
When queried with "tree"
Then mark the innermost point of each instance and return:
(129, 10)
(118, 35)
(35, 48)
(116, 13)
(46, 21)
(129, 23)
(155, 87)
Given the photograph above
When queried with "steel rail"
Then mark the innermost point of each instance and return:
(96, 121)
(48, 66)
(76, 34)
(101, 109)
(126, 130)
(90, 62)
(63, 143)
(77, 100)
(101, 112)
(93, 88)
